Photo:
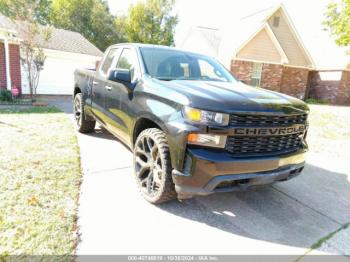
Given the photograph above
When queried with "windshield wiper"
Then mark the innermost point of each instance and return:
(165, 78)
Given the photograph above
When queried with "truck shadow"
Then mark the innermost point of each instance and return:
(295, 213)
(102, 133)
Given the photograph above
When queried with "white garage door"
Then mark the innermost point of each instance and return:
(57, 77)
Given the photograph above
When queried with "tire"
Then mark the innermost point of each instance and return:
(152, 166)
(83, 125)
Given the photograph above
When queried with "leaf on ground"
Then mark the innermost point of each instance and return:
(33, 201)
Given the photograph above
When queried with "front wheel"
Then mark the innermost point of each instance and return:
(152, 166)
(84, 126)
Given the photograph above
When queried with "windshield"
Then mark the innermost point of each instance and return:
(167, 64)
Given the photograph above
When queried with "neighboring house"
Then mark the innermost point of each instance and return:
(264, 49)
(209, 39)
(65, 51)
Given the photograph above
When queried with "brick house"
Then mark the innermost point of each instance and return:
(65, 52)
(10, 66)
(265, 50)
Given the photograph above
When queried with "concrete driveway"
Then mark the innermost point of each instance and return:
(286, 218)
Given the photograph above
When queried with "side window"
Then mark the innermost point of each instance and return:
(256, 74)
(128, 61)
(107, 63)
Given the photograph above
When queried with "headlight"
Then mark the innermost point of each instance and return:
(205, 117)
(207, 140)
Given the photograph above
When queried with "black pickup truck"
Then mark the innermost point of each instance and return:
(193, 128)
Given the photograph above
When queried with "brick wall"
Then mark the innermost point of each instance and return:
(15, 66)
(294, 81)
(289, 80)
(323, 89)
(330, 86)
(2, 66)
(343, 96)
(242, 70)
(271, 77)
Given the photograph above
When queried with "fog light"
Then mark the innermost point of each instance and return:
(207, 140)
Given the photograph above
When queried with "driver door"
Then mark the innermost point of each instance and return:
(118, 95)
(99, 84)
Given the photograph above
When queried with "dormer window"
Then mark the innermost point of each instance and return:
(276, 21)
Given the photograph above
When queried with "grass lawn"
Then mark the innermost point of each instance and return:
(329, 131)
(40, 174)
(40, 178)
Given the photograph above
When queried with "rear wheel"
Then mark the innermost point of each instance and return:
(84, 126)
(152, 166)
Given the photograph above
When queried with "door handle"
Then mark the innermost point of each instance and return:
(109, 88)
(94, 83)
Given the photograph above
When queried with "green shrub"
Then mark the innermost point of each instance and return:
(315, 101)
(5, 95)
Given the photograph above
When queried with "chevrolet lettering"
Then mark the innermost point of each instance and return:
(192, 127)
(272, 131)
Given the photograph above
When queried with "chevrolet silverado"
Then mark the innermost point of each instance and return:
(192, 127)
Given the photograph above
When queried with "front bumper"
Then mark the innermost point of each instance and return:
(207, 172)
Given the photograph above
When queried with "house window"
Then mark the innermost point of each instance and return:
(256, 74)
(276, 21)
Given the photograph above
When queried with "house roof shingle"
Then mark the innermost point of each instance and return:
(60, 39)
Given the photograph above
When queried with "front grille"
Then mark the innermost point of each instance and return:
(263, 145)
(267, 120)
(255, 145)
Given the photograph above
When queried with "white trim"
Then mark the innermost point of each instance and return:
(10, 35)
(8, 30)
(293, 29)
(13, 41)
(301, 67)
(273, 38)
(277, 44)
(7, 64)
(321, 69)
(279, 6)
(256, 61)
(68, 55)
(268, 62)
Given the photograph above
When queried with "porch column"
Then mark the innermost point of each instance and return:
(7, 63)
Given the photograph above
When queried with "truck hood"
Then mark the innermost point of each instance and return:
(233, 97)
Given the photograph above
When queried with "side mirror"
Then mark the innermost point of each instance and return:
(120, 76)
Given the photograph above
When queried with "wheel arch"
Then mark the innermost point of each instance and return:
(176, 154)
(77, 90)
(87, 111)
(143, 123)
